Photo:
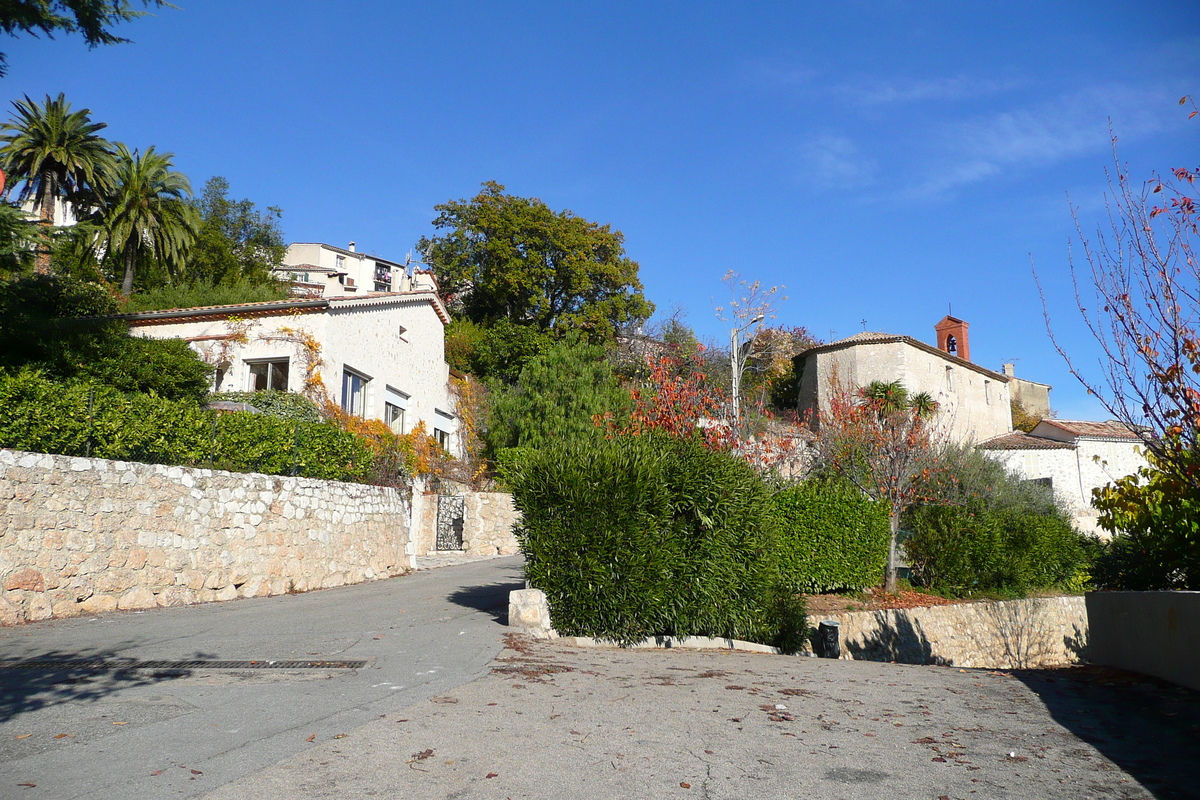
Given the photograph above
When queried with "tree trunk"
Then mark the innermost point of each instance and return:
(41, 261)
(889, 577)
(127, 283)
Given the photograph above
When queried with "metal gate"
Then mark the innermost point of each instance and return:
(450, 514)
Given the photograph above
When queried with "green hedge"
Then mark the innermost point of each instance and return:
(274, 403)
(639, 536)
(81, 419)
(963, 549)
(830, 537)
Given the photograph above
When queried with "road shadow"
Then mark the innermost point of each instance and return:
(490, 598)
(54, 677)
(1147, 727)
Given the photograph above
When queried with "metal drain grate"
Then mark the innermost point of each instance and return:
(102, 666)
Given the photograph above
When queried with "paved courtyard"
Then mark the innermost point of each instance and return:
(552, 721)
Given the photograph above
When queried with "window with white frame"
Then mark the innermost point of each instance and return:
(443, 427)
(268, 374)
(395, 404)
(354, 392)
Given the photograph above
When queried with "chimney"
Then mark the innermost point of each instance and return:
(350, 247)
(952, 337)
(1010, 370)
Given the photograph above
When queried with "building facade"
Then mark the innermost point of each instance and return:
(323, 270)
(376, 355)
(973, 402)
(1073, 457)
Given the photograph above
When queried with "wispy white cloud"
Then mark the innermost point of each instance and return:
(1071, 125)
(830, 161)
(873, 92)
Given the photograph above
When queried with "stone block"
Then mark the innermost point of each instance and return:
(529, 611)
(227, 593)
(98, 604)
(28, 579)
(9, 614)
(176, 596)
(66, 608)
(39, 608)
(136, 599)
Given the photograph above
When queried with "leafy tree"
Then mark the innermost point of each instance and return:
(146, 215)
(494, 352)
(18, 236)
(1022, 419)
(236, 241)
(514, 258)
(56, 154)
(58, 325)
(886, 444)
(557, 397)
(1156, 521)
(90, 18)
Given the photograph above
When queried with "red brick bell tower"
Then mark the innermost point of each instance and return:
(952, 337)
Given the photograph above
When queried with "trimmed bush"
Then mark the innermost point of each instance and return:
(650, 535)
(274, 403)
(83, 419)
(971, 548)
(830, 537)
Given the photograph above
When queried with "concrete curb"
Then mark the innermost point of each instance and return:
(672, 642)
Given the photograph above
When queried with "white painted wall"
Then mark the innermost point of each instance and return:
(974, 406)
(363, 335)
(1074, 473)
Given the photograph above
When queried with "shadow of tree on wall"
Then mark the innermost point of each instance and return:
(896, 638)
(54, 677)
(1018, 634)
(1148, 727)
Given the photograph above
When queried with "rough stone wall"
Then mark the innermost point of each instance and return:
(489, 520)
(85, 535)
(1013, 634)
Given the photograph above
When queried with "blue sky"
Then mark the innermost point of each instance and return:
(884, 160)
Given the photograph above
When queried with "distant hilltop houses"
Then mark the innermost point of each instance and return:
(373, 331)
(975, 403)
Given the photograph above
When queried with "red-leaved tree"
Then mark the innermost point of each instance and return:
(887, 443)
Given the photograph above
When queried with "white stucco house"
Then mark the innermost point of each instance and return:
(1072, 456)
(973, 401)
(323, 270)
(377, 355)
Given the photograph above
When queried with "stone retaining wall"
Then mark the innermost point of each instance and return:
(1013, 634)
(85, 535)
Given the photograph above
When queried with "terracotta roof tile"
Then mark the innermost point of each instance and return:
(1023, 441)
(1111, 429)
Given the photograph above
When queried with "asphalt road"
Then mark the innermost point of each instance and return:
(177, 729)
(442, 708)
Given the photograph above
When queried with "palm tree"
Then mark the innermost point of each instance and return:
(146, 213)
(55, 153)
(886, 397)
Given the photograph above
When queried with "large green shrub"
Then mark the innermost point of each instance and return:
(58, 325)
(963, 549)
(1154, 515)
(830, 537)
(639, 536)
(85, 419)
(274, 403)
(559, 393)
(988, 530)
